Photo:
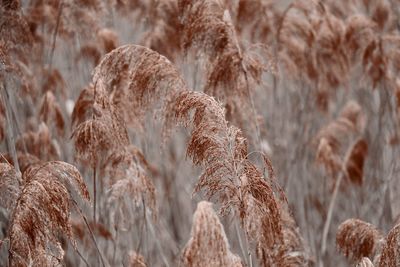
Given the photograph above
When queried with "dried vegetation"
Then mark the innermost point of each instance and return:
(279, 120)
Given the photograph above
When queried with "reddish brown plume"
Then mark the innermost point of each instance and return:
(208, 245)
(390, 256)
(9, 186)
(229, 176)
(333, 138)
(136, 78)
(357, 239)
(50, 111)
(42, 213)
(354, 161)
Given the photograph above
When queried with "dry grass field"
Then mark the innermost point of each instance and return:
(199, 133)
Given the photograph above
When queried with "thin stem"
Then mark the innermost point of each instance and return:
(1, 154)
(253, 108)
(236, 41)
(196, 70)
(94, 194)
(152, 230)
(115, 245)
(142, 226)
(83, 258)
(244, 252)
(53, 46)
(10, 132)
(90, 231)
(329, 217)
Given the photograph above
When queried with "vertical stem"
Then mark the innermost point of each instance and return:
(196, 70)
(90, 231)
(94, 194)
(244, 252)
(253, 107)
(10, 131)
(115, 245)
(82, 258)
(53, 46)
(156, 238)
(329, 217)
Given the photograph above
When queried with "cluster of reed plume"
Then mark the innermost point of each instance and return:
(82, 181)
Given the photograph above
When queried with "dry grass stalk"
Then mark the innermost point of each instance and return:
(308, 37)
(208, 244)
(294, 250)
(99, 136)
(3, 119)
(39, 143)
(260, 17)
(50, 111)
(25, 160)
(89, 53)
(283, 248)
(15, 35)
(165, 32)
(352, 168)
(53, 81)
(79, 230)
(136, 78)
(229, 176)
(231, 73)
(129, 76)
(65, 17)
(129, 179)
(104, 132)
(42, 213)
(332, 138)
(357, 239)
(324, 48)
(83, 108)
(354, 161)
(107, 40)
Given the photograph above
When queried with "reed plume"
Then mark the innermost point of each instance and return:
(25, 160)
(50, 111)
(42, 212)
(39, 143)
(165, 33)
(212, 139)
(231, 72)
(79, 230)
(104, 132)
(83, 108)
(128, 178)
(136, 78)
(65, 17)
(9, 186)
(208, 244)
(229, 176)
(357, 239)
(2, 121)
(390, 251)
(259, 17)
(126, 84)
(332, 139)
(354, 161)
